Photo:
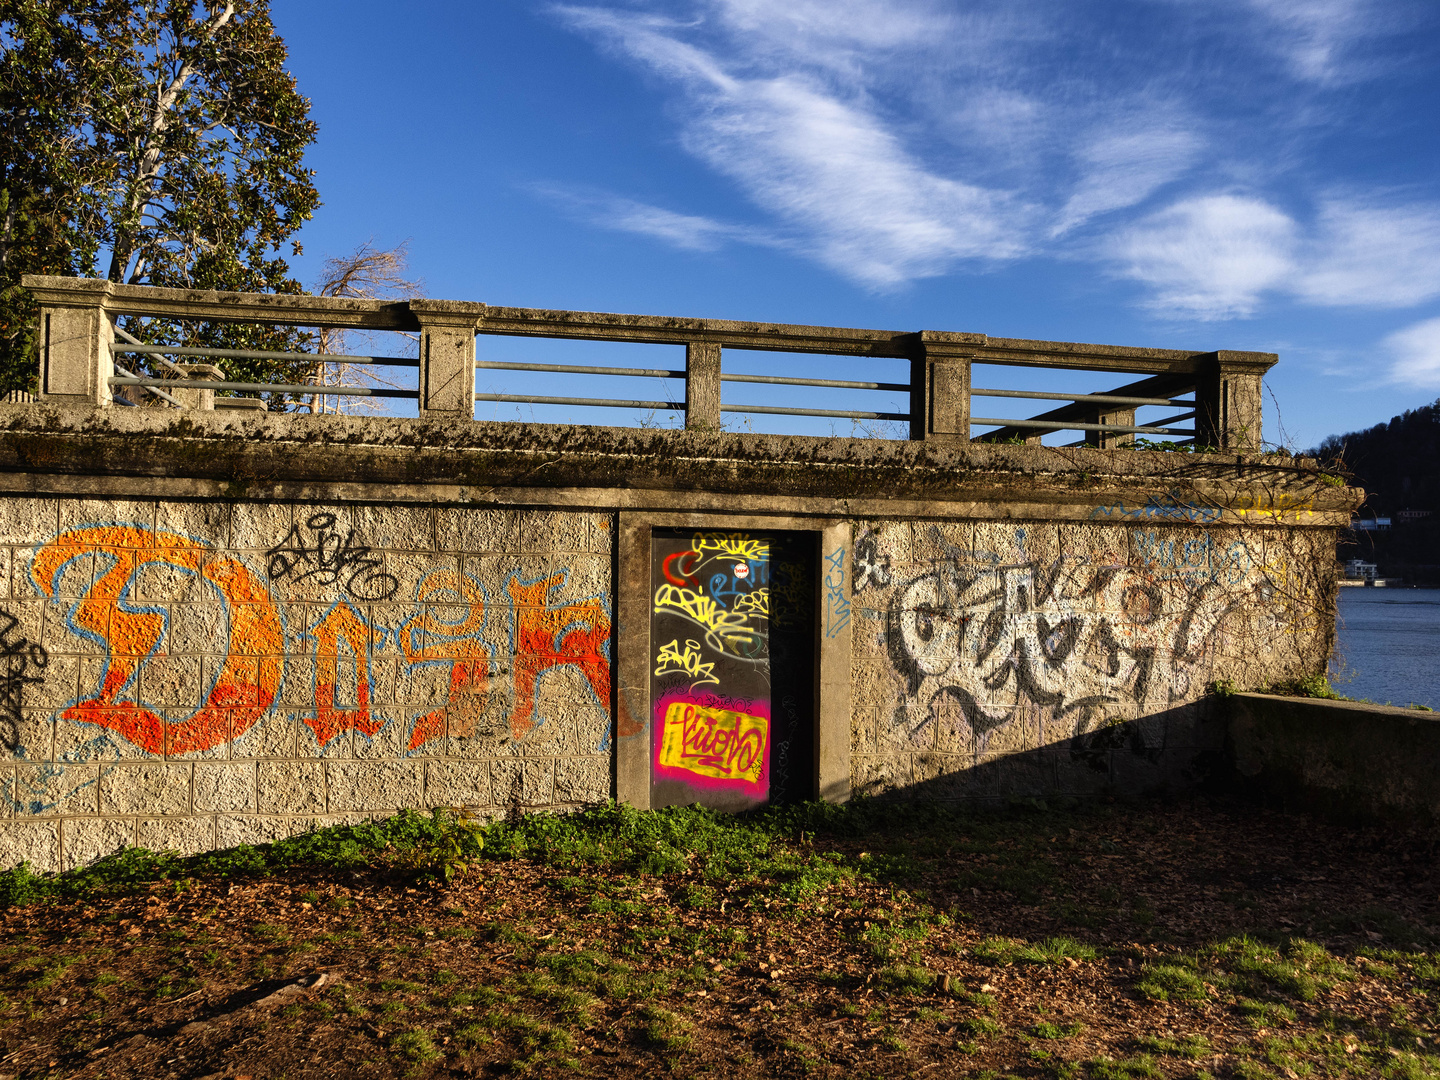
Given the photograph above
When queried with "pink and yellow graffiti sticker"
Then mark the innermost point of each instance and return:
(713, 747)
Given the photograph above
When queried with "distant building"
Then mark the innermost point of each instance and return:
(1372, 524)
(1406, 516)
(1360, 570)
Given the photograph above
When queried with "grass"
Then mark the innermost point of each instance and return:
(648, 925)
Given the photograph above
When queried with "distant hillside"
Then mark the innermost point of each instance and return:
(1398, 465)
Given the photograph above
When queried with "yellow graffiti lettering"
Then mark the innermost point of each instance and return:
(716, 743)
(731, 546)
(754, 603)
(725, 631)
(672, 659)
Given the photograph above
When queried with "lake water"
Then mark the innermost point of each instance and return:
(1389, 646)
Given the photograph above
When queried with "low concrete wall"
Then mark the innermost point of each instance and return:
(221, 629)
(1343, 758)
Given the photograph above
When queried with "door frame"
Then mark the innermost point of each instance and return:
(834, 558)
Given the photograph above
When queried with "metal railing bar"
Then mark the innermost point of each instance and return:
(152, 389)
(608, 403)
(775, 410)
(136, 341)
(1175, 419)
(841, 383)
(1075, 425)
(578, 369)
(268, 388)
(260, 354)
(1108, 399)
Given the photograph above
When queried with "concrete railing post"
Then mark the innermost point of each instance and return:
(702, 386)
(940, 388)
(75, 337)
(1111, 440)
(447, 357)
(1228, 398)
(203, 400)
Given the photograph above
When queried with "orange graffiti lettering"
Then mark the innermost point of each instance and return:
(551, 637)
(250, 678)
(341, 624)
(459, 643)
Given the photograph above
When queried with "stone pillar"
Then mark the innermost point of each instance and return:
(447, 357)
(940, 387)
(702, 386)
(1229, 394)
(194, 399)
(75, 337)
(1111, 440)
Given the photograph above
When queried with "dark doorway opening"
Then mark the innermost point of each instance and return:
(732, 686)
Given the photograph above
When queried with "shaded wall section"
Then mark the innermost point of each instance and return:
(1027, 659)
(1347, 759)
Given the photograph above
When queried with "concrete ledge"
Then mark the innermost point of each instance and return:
(233, 454)
(1344, 759)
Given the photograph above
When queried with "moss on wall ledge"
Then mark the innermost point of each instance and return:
(257, 455)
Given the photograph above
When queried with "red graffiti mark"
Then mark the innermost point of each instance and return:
(341, 623)
(685, 575)
(426, 639)
(551, 637)
(250, 678)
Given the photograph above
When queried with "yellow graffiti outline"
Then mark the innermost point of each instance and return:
(721, 627)
(731, 546)
(672, 660)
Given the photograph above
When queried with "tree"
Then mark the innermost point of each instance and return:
(161, 138)
(368, 273)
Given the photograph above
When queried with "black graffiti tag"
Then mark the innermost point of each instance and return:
(327, 558)
(21, 662)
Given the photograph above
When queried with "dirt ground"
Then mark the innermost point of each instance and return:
(1124, 941)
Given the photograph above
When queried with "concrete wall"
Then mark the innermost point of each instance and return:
(186, 675)
(1346, 759)
(227, 629)
(1028, 659)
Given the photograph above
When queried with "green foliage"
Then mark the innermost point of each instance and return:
(1188, 1046)
(1165, 981)
(1047, 1030)
(416, 1046)
(908, 979)
(664, 1030)
(167, 133)
(455, 841)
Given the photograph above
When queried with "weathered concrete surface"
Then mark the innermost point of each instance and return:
(1344, 758)
(284, 456)
(185, 674)
(224, 628)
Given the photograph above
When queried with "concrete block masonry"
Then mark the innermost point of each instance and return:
(360, 625)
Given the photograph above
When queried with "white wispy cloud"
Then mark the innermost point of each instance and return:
(688, 232)
(1216, 256)
(894, 140)
(1317, 38)
(824, 163)
(1416, 352)
(1211, 257)
(1123, 168)
(1365, 253)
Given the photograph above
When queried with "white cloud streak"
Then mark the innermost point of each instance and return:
(1416, 352)
(895, 140)
(1212, 257)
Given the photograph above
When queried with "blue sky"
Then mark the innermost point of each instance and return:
(1243, 174)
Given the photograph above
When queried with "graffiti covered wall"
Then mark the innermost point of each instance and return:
(185, 675)
(1034, 660)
